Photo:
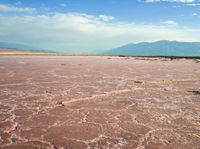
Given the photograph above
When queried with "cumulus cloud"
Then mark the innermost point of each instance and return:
(170, 23)
(181, 1)
(75, 32)
(18, 3)
(7, 8)
(193, 4)
(62, 5)
(106, 18)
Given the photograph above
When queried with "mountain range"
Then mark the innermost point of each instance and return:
(20, 47)
(16, 46)
(158, 48)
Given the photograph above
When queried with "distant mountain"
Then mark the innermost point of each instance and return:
(158, 48)
(11, 45)
(21, 47)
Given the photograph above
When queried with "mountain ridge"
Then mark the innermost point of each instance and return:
(158, 48)
(20, 47)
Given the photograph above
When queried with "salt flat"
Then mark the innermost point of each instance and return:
(99, 102)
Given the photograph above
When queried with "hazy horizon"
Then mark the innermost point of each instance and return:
(87, 26)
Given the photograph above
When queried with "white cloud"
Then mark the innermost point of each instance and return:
(62, 5)
(181, 1)
(72, 32)
(193, 4)
(15, 9)
(170, 23)
(176, 6)
(18, 3)
(106, 18)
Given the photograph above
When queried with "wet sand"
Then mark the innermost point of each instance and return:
(78, 102)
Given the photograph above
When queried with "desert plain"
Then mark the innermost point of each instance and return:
(79, 102)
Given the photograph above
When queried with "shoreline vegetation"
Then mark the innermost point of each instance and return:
(10, 52)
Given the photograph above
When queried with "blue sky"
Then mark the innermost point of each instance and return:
(89, 25)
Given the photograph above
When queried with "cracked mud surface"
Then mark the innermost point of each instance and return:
(99, 102)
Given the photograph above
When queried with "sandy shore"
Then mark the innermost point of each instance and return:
(99, 102)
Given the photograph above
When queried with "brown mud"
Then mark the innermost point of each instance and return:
(99, 102)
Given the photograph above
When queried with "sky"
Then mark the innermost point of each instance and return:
(83, 26)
